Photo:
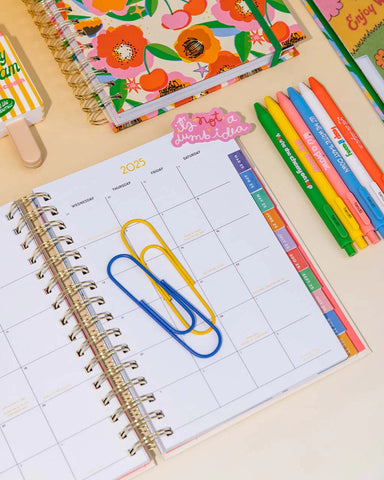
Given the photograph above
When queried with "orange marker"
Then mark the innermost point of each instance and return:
(349, 134)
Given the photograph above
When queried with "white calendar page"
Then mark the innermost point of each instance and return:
(53, 424)
(274, 334)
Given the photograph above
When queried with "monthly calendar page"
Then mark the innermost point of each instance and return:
(274, 334)
(53, 424)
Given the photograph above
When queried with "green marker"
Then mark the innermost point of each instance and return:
(303, 178)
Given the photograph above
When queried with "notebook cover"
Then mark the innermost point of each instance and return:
(151, 48)
(360, 38)
(359, 25)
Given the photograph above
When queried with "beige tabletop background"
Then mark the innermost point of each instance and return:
(332, 429)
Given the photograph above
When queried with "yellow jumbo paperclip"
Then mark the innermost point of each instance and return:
(163, 248)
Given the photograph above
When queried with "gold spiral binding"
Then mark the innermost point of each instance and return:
(63, 275)
(47, 245)
(101, 336)
(116, 369)
(39, 17)
(157, 414)
(61, 56)
(56, 259)
(71, 289)
(40, 229)
(96, 117)
(27, 199)
(87, 77)
(149, 397)
(48, 32)
(123, 387)
(79, 306)
(71, 71)
(37, 212)
(87, 322)
(150, 439)
(54, 42)
(33, 6)
(80, 90)
(103, 356)
(51, 25)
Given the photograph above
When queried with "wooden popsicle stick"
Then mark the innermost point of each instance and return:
(25, 143)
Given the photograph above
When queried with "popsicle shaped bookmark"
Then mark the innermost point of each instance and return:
(20, 105)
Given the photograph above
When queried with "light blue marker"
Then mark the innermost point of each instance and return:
(361, 193)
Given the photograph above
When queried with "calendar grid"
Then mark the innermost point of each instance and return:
(235, 264)
(39, 406)
(160, 214)
(201, 208)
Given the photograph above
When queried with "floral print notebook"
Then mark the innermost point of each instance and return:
(151, 55)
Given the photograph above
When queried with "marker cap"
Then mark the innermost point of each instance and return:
(361, 243)
(372, 237)
(381, 230)
(350, 249)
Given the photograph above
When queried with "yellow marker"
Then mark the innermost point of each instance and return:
(317, 175)
(20, 105)
(163, 248)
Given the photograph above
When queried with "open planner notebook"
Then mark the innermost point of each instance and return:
(130, 60)
(280, 326)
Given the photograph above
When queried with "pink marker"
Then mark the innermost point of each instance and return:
(326, 167)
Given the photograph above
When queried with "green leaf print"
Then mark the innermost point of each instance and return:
(243, 45)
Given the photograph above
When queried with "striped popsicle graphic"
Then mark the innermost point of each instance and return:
(18, 95)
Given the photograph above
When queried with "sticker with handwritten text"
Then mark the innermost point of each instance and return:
(206, 127)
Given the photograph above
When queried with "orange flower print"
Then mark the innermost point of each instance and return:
(238, 14)
(121, 51)
(176, 81)
(100, 7)
(379, 57)
(225, 61)
(197, 44)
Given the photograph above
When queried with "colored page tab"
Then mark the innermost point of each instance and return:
(347, 344)
(335, 322)
(297, 259)
(285, 239)
(274, 219)
(251, 181)
(322, 301)
(262, 200)
(309, 279)
(238, 160)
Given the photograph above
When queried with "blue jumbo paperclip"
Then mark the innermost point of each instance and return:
(180, 299)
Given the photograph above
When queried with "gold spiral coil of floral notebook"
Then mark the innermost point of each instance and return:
(89, 100)
(30, 215)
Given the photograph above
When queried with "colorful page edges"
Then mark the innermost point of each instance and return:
(323, 297)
